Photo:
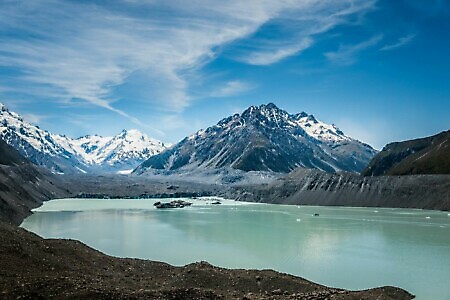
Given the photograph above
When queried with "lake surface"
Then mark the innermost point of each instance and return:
(353, 248)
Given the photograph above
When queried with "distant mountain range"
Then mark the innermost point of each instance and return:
(87, 154)
(430, 155)
(265, 138)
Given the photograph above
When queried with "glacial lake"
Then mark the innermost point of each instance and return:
(352, 248)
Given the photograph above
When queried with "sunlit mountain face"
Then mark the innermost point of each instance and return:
(266, 138)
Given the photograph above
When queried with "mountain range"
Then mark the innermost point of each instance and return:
(265, 138)
(87, 154)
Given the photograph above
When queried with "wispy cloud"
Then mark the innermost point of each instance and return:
(271, 56)
(347, 54)
(399, 43)
(232, 88)
(83, 50)
(34, 118)
(294, 28)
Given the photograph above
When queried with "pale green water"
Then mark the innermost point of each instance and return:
(354, 248)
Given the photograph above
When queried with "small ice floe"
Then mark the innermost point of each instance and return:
(375, 211)
(298, 220)
(427, 217)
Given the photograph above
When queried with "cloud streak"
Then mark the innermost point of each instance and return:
(76, 51)
(399, 43)
(232, 88)
(347, 54)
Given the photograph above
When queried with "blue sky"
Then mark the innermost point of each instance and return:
(378, 69)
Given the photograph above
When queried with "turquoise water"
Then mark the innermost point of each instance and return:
(353, 248)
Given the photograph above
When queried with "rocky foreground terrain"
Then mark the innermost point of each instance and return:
(34, 268)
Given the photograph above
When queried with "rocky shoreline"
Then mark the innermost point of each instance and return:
(33, 268)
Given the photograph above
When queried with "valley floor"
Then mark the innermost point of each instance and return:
(32, 267)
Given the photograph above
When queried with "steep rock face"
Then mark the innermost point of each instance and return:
(313, 187)
(23, 185)
(9, 156)
(265, 138)
(87, 154)
(430, 155)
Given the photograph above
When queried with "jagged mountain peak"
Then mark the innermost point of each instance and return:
(132, 135)
(266, 138)
(270, 116)
(267, 110)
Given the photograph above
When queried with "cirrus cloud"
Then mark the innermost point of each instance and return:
(75, 51)
(402, 41)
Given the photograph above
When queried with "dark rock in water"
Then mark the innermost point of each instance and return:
(165, 205)
(216, 202)
(173, 204)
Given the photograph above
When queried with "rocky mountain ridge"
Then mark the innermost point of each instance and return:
(429, 155)
(62, 154)
(265, 138)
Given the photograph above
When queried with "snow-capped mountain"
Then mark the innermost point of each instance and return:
(265, 138)
(124, 151)
(38, 145)
(62, 154)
